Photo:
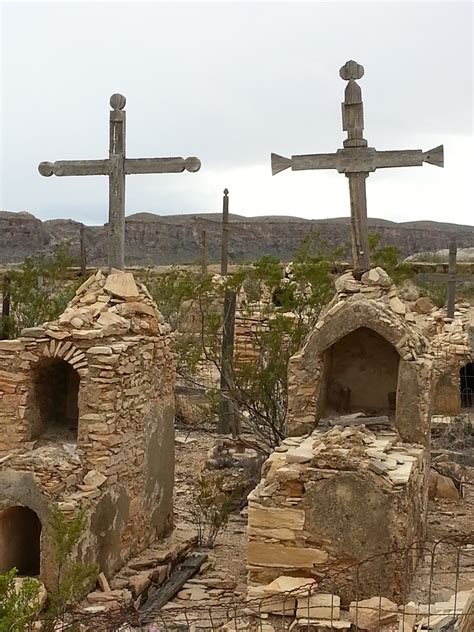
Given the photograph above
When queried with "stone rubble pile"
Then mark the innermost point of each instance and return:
(298, 598)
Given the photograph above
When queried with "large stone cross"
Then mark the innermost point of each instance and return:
(117, 166)
(356, 161)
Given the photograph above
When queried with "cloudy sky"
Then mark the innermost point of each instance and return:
(231, 82)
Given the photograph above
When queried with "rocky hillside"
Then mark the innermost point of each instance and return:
(155, 239)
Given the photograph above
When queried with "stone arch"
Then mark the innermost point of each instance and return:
(20, 533)
(350, 317)
(23, 504)
(307, 374)
(361, 374)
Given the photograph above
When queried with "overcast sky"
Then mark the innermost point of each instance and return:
(231, 83)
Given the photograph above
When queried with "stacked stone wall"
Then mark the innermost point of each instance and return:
(121, 467)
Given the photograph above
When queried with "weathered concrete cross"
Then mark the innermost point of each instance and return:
(451, 278)
(356, 161)
(117, 166)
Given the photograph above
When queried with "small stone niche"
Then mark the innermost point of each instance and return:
(329, 501)
(55, 400)
(20, 531)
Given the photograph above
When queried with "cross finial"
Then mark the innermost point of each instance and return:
(351, 70)
(117, 101)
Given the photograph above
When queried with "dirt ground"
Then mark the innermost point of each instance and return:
(453, 567)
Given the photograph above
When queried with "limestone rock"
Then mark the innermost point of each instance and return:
(397, 305)
(369, 614)
(319, 606)
(139, 583)
(33, 332)
(93, 478)
(263, 554)
(347, 283)
(409, 291)
(423, 305)
(121, 284)
(376, 276)
(441, 486)
(278, 518)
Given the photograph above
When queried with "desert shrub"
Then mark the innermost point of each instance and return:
(211, 508)
(73, 578)
(40, 289)
(18, 604)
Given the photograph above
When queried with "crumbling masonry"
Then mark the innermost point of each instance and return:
(86, 420)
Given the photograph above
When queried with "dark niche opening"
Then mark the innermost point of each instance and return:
(20, 531)
(56, 390)
(361, 374)
(466, 385)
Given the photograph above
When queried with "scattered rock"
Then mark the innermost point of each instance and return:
(369, 614)
(423, 305)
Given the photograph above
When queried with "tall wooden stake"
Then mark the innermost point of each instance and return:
(203, 251)
(225, 233)
(83, 251)
(451, 278)
(227, 416)
(451, 298)
(4, 328)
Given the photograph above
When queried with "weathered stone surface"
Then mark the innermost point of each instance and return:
(122, 284)
(397, 306)
(114, 455)
(423, 305)
(282, 518)
(319, 606)
(369, 614)
(139, 583)
(275, 555)
(94, 478)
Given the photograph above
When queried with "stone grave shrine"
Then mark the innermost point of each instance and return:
(87, 420)
(351, 482)
(364, 356)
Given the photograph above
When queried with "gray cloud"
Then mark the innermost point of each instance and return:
(229, 82)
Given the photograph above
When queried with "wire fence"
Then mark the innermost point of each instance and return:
(434, 591)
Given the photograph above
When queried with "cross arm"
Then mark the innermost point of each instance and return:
(359, 159)
(74, 168)
(161, 165)
(303, 162)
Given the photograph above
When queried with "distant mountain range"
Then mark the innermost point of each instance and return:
(172, 239)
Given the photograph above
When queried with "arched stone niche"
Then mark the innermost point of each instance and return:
(24, 526)
(310, 369)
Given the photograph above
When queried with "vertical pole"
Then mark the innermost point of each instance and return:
(225, 233)
(83, 251)
(203, 251)
(359, 227)
(4, 328)
(117, 183)
(451, 299)
(226, 421)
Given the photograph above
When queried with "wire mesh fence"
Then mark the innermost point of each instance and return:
(435, 591)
